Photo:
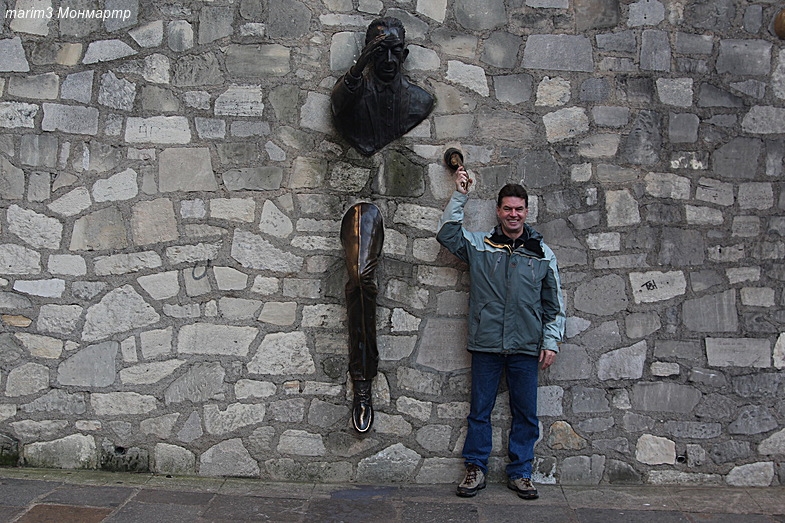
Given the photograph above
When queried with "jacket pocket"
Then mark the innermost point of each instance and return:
(488, 326)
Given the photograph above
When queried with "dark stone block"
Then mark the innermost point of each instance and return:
(10, 351)
(758, 386)
(255, 10)
(664, 213)
(642, 238)
(400, 177)
(559, 202)
(714, 15)
(238, 153)
(624, 42)
(501, 50)
(753, 419)
(738, 159)
(595, 90)
(287, 19)
(680, 248)
(9, 450)
(730, 451)
(645, 140)
(122, 459)
(636, 90)
(595, 14)
(619, 472)
(197, 70)
(493, 177)
(539, 169)
(711, 96)
(335, 366)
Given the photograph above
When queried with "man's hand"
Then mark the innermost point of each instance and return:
(367, 55)
(547, 357)
(462, 180)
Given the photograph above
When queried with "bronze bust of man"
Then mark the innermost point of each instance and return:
(374, 107)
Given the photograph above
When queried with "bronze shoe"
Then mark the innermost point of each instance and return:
(362, 410)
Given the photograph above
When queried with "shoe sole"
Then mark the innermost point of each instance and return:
(469, 493)
(524, 494)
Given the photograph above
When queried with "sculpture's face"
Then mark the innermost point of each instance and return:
(390, 56)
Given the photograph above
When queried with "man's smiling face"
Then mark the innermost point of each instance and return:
(512, 215)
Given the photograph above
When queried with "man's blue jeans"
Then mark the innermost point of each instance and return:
(521, 371)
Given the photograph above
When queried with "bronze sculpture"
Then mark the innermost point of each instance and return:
(372, 108)
(362, 236)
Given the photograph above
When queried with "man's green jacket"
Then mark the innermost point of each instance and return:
(515, 302)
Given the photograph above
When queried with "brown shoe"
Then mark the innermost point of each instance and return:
(473, 482)
(524, 487)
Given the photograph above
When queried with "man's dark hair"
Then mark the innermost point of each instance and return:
(515, 190)
(388, 22)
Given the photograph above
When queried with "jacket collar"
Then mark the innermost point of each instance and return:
(530, 240)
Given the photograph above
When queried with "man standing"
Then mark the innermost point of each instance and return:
(516, 322)
(371, 109)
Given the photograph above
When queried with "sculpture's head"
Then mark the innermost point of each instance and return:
(392, 51)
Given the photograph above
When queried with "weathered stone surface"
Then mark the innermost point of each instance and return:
(583, 470)
(476, 16)
(235, 416)
(665, 397)
(643, 143)
(228, 458)
(27, 379)
(15, 61)
(565, 123)
(612, 288)
(146, 373)
(120, 310)
(199, 383)
(759, 474)
(254, 252)
(733, 159)
(738, 352)
(654, 450)
(76, 451)
(558, 52)
(393, 464)
(174, 460)
(207, 338)
(70, 119)
(626, 363)
(93, 366)
(122, 403)
(648, 287)
(282, 353)
(100, 230)
(300, 442)
(257, 60)
(713, 313)
(57, 400)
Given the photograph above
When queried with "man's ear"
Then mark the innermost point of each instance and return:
(405, 54)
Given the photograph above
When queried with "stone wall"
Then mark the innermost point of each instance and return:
(171, 275)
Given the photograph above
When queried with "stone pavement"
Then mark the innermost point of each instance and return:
(41, 495)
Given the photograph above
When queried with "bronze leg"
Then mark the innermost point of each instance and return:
(362, 236)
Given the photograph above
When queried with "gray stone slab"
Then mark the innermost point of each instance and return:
(20, 492)
(244, 508)
(134, 512)
(639, 516)
(92, 496)
(338, 510)
(559, 53)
